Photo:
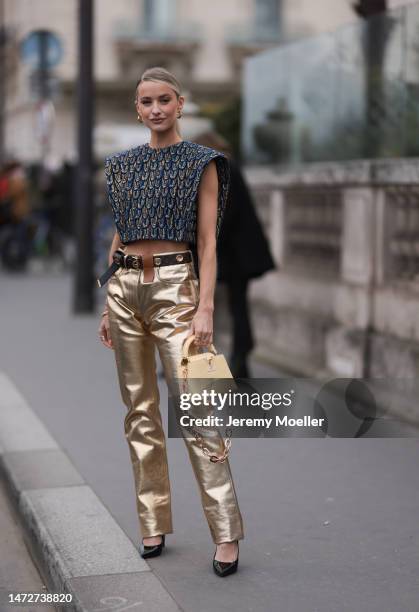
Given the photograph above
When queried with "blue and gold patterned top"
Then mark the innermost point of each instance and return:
(153, 192)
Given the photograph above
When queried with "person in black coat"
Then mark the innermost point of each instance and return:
(242, 254)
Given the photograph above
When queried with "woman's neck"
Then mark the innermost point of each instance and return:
(159, 140)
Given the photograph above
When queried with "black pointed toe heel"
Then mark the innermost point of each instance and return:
(224, 568)
(152, 551)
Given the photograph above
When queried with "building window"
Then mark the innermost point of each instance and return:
(267, 15)
(159, 15)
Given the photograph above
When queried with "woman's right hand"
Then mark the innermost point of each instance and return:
(105, 332)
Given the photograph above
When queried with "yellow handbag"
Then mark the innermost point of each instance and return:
(191, 370)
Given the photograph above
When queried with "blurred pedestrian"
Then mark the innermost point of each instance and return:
(5, 201)
(14, 215)
(14, 190)
(243, 253)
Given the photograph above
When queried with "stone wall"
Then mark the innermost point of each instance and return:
(345, 299)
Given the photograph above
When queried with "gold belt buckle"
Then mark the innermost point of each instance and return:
(136, 262)
(134, 259)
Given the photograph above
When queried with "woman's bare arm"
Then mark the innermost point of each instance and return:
(206, 239)
(104, 329)
(202, 325)
(116, 243)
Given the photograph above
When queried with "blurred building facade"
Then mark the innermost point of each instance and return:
(203, 43)
(344, 229)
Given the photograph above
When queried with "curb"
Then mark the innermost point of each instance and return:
(77, 545)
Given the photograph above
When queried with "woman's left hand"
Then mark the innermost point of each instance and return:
(202, 327)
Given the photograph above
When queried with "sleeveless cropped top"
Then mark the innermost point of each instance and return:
(153, 192)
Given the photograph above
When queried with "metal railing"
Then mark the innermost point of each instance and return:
(178, 32)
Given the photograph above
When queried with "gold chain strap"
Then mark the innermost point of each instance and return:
(213, 457)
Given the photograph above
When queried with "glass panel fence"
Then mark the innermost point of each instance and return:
(349, 94)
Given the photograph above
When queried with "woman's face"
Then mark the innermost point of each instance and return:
(157, 105)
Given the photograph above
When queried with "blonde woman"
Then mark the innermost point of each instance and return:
(168, 199)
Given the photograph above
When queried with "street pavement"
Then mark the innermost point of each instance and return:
(18, 572)
(330, 524)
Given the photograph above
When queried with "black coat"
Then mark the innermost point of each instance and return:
(242, 248)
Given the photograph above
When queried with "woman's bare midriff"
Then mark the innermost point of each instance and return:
(148, 248)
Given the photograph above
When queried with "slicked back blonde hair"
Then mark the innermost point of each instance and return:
(160, 74)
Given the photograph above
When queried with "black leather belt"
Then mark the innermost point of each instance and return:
(120, 259)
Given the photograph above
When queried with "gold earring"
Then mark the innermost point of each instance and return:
(179, 115)
(139, 119)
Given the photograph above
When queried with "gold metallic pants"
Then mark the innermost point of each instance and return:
(159, 313)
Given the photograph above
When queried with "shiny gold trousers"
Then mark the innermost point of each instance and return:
(159, 313)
